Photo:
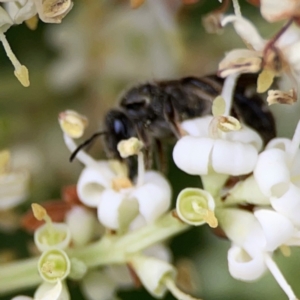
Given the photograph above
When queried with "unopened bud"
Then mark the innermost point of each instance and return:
(212, 23)
(196, 207)
(54, 265)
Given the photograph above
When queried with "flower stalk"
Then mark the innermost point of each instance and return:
(109, 250)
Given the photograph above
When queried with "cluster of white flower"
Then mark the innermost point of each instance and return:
(250, 192)
(28, 11)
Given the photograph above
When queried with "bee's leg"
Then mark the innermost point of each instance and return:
(161, 159)
(172, 117)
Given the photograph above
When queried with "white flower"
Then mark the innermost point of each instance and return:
(277, 175)
(198, 154)
(276, 56)
(21, 10)
(96, 189)
(255, 237)
(48, 291)
(106, 185)
(277, 10)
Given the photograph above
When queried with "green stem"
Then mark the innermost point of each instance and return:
(109, 250)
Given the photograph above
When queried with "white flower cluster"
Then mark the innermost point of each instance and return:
(28, 11)
(271, 188)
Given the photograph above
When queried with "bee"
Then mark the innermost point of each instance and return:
(153, 111)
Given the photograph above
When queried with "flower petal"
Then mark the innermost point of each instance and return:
(274, 11)
(198, 126)
(272, 173)
(244, 267)
(92, 182)
(229, 158)
(191, 154)
(115, 210)
(289, 204)
(154, 197)
(241, 227)
(276, 227)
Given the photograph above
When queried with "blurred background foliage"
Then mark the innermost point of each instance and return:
(83, 64)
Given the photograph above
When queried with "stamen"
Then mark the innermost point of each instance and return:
(237, 8)
(121, 183)
(265, 80)
(32, 23)
(229, 123)
(228, 91)
(41, 214)
(207, 215)
(282, 97)
(129, 147)
(82, 156)
(175, 291)
(21, 72)
(279, 277)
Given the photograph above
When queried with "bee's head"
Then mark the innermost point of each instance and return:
(118, 127)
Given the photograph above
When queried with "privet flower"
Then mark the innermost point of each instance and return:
(47, 291)
(106, 186)
(274, 57)
(217, 144)
(277, 175)
(254, 237)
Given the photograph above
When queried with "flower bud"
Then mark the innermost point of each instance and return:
(196, 207)
(52, 235)
(53, 265)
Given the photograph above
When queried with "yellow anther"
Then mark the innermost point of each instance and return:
(121, 183)
(207, 215)
(129, 147)
(219, 106)
(32, 22)
(23, 76)
(72, 123)
(265, 80)
(39, 211)
(48, 267)
(229, 124)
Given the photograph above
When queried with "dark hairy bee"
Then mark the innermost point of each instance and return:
(153, 111)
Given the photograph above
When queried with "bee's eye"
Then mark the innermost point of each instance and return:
(119, 127)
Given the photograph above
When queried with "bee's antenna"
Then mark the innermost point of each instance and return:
(86, 143)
